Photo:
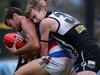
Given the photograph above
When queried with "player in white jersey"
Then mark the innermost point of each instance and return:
(54, 63)
(68, 32)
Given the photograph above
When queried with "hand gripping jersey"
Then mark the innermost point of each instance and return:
(72, 34)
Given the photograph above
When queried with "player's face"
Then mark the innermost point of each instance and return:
(43, 2)
(13, 24)
(36, 16)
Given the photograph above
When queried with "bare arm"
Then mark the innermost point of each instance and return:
(46, 26)
(33, 42)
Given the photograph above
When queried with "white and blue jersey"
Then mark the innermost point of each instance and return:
(56, 51)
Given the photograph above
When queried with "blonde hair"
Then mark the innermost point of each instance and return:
(33, 4)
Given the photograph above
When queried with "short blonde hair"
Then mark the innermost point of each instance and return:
(33, 4)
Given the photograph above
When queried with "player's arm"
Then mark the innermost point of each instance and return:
(46, 26)
(33, 42)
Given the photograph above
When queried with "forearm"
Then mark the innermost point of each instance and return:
(44, 48)
(28, 48)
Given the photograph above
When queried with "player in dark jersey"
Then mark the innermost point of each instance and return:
(20, 62)
(68, 32)
(54, 63)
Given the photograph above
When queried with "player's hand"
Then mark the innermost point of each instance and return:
(12, 49)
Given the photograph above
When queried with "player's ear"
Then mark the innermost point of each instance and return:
(15, 15)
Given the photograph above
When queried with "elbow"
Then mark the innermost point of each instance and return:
(36, 46)
(36, 49)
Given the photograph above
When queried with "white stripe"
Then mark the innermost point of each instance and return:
(55, 49)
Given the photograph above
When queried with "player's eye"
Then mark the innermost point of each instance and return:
(34, 16)
(9, 25)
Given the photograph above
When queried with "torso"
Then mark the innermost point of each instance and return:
(71, 34)
(70, 31)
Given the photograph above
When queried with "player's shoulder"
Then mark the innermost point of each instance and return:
(57, 14)
(62, 15)
(48, 22)
(26, 22)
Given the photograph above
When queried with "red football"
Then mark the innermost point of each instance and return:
(11, 38)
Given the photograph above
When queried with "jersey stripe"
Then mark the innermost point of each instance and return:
(62, 53)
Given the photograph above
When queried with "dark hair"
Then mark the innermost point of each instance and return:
(9, 13)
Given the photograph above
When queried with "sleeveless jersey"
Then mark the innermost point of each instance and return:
(71, 33)
(66, 22)
(54, 50)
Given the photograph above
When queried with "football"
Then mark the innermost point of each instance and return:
(12, 38)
